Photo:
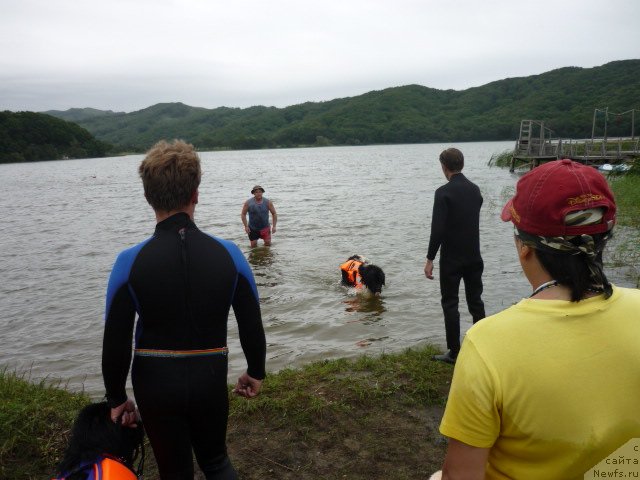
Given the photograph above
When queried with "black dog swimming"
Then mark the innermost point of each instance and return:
(101, 449)
(359, 273)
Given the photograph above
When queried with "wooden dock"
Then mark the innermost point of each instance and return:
(536, 145)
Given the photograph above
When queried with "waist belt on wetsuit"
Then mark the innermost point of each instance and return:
(150, 352)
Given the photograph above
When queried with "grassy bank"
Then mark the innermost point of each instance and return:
(34, 420)
(626, 188)
(358, 419)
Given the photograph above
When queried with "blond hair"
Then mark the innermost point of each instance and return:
(170, 175)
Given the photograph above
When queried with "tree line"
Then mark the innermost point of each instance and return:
(30, 136)
(565, 99)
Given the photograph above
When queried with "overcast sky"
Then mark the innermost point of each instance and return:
(125, 55)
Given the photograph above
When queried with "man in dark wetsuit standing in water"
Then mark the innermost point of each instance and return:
(258, 208)
(455, 226)
(181, 283)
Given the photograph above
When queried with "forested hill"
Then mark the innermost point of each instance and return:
(564, 98)
(29, 136)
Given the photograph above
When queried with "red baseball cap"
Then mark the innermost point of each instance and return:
(548, 193)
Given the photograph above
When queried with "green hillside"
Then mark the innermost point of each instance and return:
(564, 98)
(29, 136)
(79, 114)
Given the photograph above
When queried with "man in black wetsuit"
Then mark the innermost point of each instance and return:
(455, 226)
(181, 283)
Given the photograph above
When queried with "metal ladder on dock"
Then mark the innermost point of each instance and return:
(524, 139)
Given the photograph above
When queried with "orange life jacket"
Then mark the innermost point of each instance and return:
(105, 468)
(351, 268)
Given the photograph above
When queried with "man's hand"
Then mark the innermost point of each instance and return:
(273, 230)
(247, 386)
(127, 413)
(428, 269)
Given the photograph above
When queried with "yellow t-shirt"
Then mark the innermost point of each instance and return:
(551, 387)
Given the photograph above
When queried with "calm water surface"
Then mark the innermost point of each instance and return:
(65, 222)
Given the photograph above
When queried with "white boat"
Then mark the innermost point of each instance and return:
(620, 168)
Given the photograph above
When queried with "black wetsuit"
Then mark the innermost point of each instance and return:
(181, 282)
(455, 228)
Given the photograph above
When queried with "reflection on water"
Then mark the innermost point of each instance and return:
(263, 261)
(261, 257)
(365, 302)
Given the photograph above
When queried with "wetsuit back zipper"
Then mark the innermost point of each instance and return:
(185, 270)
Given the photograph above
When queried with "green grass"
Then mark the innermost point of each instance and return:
(341, 385)
(34, 420)
(502, 160)
(626, 189)
(371, 417)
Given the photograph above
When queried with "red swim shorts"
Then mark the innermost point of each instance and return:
(264, 234)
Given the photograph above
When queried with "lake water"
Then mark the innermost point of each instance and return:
(65, 222)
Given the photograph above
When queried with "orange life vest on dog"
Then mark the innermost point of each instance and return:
(351, 269)
(105, 468)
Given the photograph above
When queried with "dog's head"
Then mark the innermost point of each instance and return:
(94, 434)
(372, 277)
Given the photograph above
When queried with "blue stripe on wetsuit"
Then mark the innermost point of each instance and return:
(242, 266)
(120, 272)
(182, 282)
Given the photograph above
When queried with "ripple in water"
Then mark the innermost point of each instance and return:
(77, 215)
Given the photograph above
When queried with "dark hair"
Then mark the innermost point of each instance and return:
(372, 277)
(580, 273)
(94, 434)
(452, 159)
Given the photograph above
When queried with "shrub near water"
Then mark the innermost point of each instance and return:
(502, 159)
(34, 420)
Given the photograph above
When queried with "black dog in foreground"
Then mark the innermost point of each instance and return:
(359, 273)
(100, 449)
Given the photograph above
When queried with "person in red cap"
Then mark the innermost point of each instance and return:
(550, 387)
(258, 208)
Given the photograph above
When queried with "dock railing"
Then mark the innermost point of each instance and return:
(594, 151)
(537, 144)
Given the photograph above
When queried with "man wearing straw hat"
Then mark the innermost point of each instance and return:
(258, 208)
